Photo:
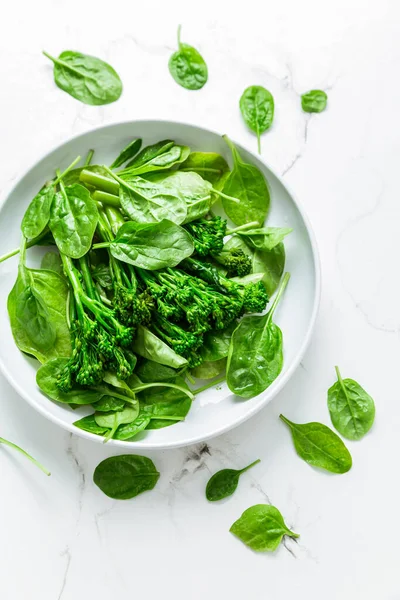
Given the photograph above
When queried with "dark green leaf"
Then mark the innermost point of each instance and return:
(261, 528)
(157, 157)
(86, 78)
(216, 344)
(125, 476)
(127, 153)
(46, 378)
(52, 262)
(127, 432)
(255, 354)
(314, 101)
(109, 404)
(149, 346)
(37, 214)
(319, 446)
(257, 108)
(152, 245)
(73, 220)
(114, 419)
(264, 238)
(224, 483)
(247, 183)
(352, 410)
(211, 166)
(89, 424)
(149, 371)
(188, 67)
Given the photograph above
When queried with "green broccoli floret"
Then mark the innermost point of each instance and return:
(237, 263)
(208, 235)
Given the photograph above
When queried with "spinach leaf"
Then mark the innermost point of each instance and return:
(113, 420)
(166, 407)
(257, 108)
(52, 262)
(73, 220)
(102, 275)
(264, 238)
(261, 528)
(86, 78)
(352, 410)
(319, 446)
(149, 371)
(216, 344)
(150, 246)
(46, 378)
(211, 166)
(37, 214)
(109, 404)
(157, 157)
(209, 369)
(314, 101)
(247, 183)
(130, 430)
(125, 476)
(127, 153)
(255, 354)
(114, 381)
(187, 66)
(148, 345)
(28, 456)
(89, 424)
(224, 483)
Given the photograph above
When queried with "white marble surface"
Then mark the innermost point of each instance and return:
(61, 538)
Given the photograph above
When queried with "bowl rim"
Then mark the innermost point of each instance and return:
(282, 380)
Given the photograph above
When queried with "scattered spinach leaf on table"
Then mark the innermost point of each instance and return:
(247, 183)
(86, 78)
(352, 410)
(261, 528)
(125, 476)
(314, 101)
(224, 483)
(257, 108)
(187, 66)
(319, 446)
(255, 353)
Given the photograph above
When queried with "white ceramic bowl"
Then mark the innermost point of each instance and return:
(214, 411)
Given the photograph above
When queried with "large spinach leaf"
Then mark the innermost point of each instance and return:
(150, 246)
(352, 410)
(319, 446)
(125, 476)
(187, 66)
(255, 354)
(247, 183)
(73, 220)
(257, 108)
(261, 528)
(224, 483)
(86, 78)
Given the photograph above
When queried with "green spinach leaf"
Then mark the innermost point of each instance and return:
(352, 410)
(109, 404)
(73, 220)
(216, 344)
(224, 483)
(264, 238)
(314, 101)
(255, 354)
(247, 183)
(209, 369)
(148, 345)
(187, 66)
(86, 78)
(52, 262)
(319, 446)
(127, 153)
(149, 371)
(261, 528)
(114, 419)
(257, 108)
(125, 476)
(89, 424)
(150, 246)
(211, 166)
(157, 157)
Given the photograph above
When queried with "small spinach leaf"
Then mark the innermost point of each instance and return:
(209, 369)
(151, 246)
(109, 404)
(314, 101)
(187, 66)
(148, 345)
(157, 157)
(255, 354)
(114, 419)
(261, 528)
(73, 220)
(224, 483)
(216, 344)
(319, 446)
(149, 371)
(127, 153)
(86, 78)
(257, 108)
(130, 430)
(264, 238)
(37, 214)
(352, 410)
(125, 476)
(247, 183)
(89, 424)
(211, 166)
